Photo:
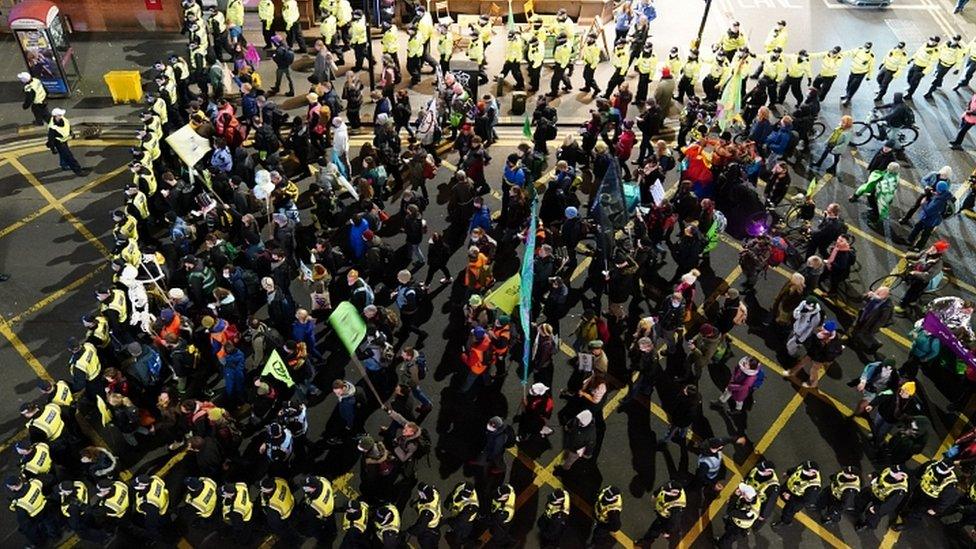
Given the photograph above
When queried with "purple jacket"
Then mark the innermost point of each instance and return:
(740, 384)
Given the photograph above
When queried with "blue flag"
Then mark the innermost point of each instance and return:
(525, 292)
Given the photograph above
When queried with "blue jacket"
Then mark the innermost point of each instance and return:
(481, 218)
(356, 242)
(779, 140)
(760, 130)
(933, 210)
(234, 362)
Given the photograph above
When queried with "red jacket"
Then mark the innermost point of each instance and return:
(625, 144)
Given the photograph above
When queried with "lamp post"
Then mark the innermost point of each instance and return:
(701, 28)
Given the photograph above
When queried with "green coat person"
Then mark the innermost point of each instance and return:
(881, 185)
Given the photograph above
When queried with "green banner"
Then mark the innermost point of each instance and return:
(278, 369)
(350, 327)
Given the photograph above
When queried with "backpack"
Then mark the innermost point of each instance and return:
(421, 362)
(424, 444)
(760, 379)
(778, 246)
(950, 207)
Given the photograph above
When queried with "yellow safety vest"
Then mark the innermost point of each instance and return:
(591, 55)
(100, 333)
(159, 106)
(513, 51)
(732, 43)
(344, 13)
(328, 28)
(719, 69)
(776, 39)
(507, 506)
(459, 503)
(925, 58)
(33, 501)
(775, 70)
(357, 31)
(324, 503)
(674, 65)
(752, 510)
(289, 12)
(131, 253)
(799, 69)
(862, 62)
(361, 523)
(435, 509)
(484, 33)
(49, 422)
(415, 46)
(830, 65)
(40, 94)
(839, 486)
(535, 55)
(240, 504)
(621, 60)
(266, 13)
(557, 508)
(971, 49)
(664, 506)
(117, 303)
(932, 485)
(281, 500)
(562, 55)
(645, 64)
(156, 495)
(218, 19)
(141, 204)
(445, 45)
(752, 479)
(40, 462)
(62, 395)
(895, 61)
(882, 489)
(198, 61)
(206, 501)
(81, 493)
(950, 55)
(602, 510)
(476, 50)
(62, 130)
(146, 182)
(393, 526)
(390, 41)
(797, 484)
(184, 69)
(690, 70)
(235, 13)
(117, 503)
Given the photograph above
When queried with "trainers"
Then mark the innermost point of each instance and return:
(447, 280)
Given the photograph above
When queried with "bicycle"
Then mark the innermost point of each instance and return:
(876, 128)
(894, 280)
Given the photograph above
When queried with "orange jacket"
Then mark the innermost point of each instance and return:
(474, 357)
(473, 272)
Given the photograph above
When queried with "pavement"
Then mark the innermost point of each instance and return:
(55, 228)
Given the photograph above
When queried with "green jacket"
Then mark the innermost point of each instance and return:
(883, 184)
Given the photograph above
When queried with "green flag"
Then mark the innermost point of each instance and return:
(812, 186)
(278, 369)
(349, 326)
(511, 18)
(527, 127)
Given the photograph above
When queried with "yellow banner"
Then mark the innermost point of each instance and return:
(506, 296)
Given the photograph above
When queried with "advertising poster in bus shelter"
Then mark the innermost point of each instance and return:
(42, 60)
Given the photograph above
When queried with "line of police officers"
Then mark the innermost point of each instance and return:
(933, 492)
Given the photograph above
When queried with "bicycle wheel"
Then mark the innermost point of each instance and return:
(862, 134)
(892, 281)
(740, 138)
(906, 136)
(817, 130)
(794, 219)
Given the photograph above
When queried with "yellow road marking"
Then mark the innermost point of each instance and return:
(23, 351)
(58, 294)
(61, 201)
(815, 527)
(75, 222)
